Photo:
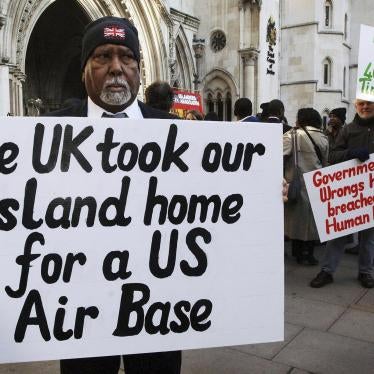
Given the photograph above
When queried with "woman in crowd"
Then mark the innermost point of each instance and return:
(299, 222)
(194, 115)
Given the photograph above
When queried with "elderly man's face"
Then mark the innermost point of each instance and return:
(111, 77)
(365, 109)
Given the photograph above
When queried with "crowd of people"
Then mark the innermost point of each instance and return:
(307, 146)
(316, 148)
(159, 95)
(111, 75)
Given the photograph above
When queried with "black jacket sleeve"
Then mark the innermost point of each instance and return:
(339, 152)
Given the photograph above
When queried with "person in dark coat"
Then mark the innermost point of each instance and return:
(110, 65)
(264, 114)
(276, 114)
(243, 110)
(355, 141)
(336, 122)
(160, 95)
(211, 116)
(299, 222)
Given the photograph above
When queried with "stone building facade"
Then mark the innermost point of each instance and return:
(303, 52)
(316, 55)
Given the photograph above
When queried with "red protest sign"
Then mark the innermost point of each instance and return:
(341, 198)
(187, 100)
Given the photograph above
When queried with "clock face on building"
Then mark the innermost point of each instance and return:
(218, 40)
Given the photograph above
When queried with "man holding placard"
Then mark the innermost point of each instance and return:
(356, 141)
(110, 63)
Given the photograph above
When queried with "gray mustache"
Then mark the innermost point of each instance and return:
(116, 81)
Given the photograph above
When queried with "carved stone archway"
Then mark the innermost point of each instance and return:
(52, 63)
(22, 17)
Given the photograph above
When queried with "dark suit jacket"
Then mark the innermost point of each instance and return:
(161, 362)
(250, 119)
(80, 110)
(277, 120)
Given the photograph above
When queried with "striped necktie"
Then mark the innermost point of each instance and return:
(116, 115)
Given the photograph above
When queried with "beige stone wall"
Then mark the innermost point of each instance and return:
(298, 54)
(295, 97)
(306, 43)
(297, 12)
(222, 15)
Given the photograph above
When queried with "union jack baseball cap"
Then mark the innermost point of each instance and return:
(109, 30)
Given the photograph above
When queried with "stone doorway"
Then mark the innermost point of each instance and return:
(53, 72)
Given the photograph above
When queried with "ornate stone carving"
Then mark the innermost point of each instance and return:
(34, 106)
(218, 40)
(271, 39)
(125, 10)
(196, 80)
(164, 12)
(174, 72)
(198, 46)
(21, 76)
(184, 18)
(173, 64)
(251, 3)
(109, 6)
(249, 56)
(26, 16)
(2, 21)
(171, 43)
(257, 3)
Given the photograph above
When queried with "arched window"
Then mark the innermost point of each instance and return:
(220, 107)
(326, 66)
(219, 90)
(328, 13)
(346, 27)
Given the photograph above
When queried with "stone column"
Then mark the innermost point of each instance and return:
(4, 90)
(249, 58)
(2, 19)
(241, 5)
(16, 100)
(241, 23)
(224, 103)
(21, 77)
(173, 66)
(215, 104)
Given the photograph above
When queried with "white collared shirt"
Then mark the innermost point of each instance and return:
(132, 111)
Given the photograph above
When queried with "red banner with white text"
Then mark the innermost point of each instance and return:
(342, 198)
(186, 100)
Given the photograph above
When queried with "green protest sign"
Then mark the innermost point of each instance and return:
(365, 72)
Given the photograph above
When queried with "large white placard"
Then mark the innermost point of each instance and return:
(365, 70)
(123, 236)
(342, 198)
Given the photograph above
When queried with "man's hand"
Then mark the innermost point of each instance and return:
(285, 190)
(361, 153)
